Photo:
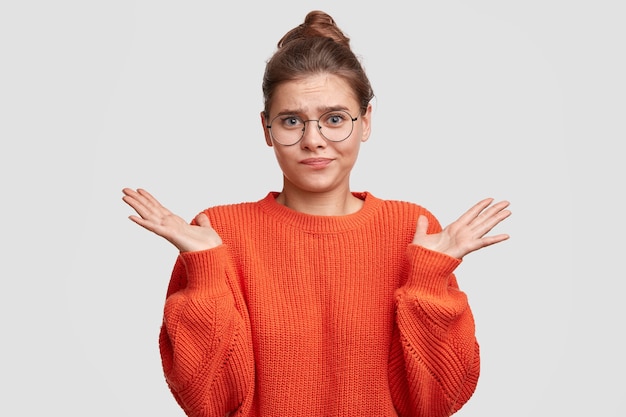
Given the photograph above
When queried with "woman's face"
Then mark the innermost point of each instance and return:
(315, 164)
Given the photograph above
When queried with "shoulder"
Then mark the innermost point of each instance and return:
(232, 211)
(401, 211)
(233, 221)
(399, 206)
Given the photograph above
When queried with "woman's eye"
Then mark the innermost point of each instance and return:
(291, 121)
(334, 119)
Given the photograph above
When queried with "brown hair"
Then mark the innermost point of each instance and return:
(315, 46)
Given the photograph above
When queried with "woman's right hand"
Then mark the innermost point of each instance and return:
(159, 220)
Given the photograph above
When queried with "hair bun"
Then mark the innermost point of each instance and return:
(316, 24)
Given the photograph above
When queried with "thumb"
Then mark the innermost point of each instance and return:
(422, 227)
(202, 220)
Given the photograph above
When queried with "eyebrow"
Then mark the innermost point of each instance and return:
(321, 110)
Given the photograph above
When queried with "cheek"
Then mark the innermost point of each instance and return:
(283, 158)
(350, 148)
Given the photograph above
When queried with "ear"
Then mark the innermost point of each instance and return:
(366, 123)
(266, 131)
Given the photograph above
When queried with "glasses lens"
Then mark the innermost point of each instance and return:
(287, 130)
(334, 126)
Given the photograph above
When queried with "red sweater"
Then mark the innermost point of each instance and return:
(300, 315)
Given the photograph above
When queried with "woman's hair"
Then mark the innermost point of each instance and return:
(316, 46)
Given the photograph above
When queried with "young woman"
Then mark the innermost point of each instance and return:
(318, 300)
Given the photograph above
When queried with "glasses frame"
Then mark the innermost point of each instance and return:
(319, 128)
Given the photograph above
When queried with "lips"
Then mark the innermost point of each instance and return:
(316, 162)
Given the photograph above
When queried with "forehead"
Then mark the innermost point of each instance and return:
(313, 94)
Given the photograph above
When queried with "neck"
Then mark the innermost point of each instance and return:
(334, 203)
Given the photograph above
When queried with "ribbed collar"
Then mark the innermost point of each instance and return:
(321, 224)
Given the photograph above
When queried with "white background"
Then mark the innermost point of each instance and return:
(522, 101)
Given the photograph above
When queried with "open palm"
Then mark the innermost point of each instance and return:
(467, 233)
(158, 219)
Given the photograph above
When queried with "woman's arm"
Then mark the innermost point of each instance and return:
(435, 361)
(205, 340)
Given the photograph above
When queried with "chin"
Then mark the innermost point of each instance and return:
(317, 186)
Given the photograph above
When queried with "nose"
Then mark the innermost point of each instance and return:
(312, 135)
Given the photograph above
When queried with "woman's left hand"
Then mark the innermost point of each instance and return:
(467, 233)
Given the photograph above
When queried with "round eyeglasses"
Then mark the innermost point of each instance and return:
(334, 126)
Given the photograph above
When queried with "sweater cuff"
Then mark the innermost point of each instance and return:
(206, 271)
(429, 271)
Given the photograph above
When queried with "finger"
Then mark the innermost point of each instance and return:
(138, 204)
(142, 196)
(474, 211)
(132, 201)
(495, 208)
(145, 204)
(485, 212)
(148, 197)
(134, 198)
(491, 240)
(128, 191)
(491, 212)
(146, 224)
(484, 226)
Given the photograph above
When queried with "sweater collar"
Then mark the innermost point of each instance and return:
(321, 224)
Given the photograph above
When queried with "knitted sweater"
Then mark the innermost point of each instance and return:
(301, 315)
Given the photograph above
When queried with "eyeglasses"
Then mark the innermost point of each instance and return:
(334, 126)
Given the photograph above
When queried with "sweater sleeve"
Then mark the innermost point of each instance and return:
(205, 341)
(435, 362)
